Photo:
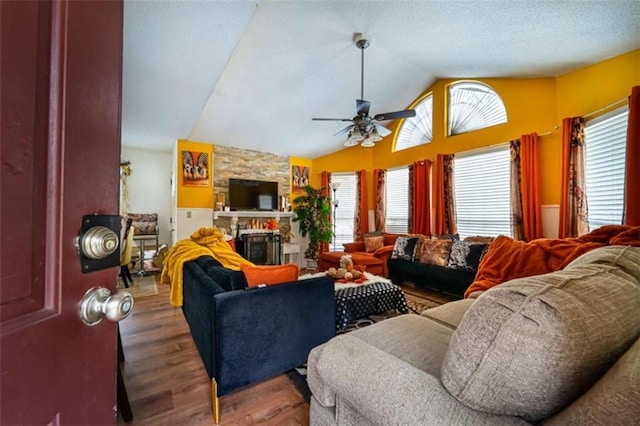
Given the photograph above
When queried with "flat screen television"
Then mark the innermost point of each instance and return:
(247, 194)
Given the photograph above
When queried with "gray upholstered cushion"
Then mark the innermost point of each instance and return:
(614, 400)
(449, 314)
(530, 346)
(403, 337)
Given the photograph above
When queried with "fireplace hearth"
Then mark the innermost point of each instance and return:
(260, 248)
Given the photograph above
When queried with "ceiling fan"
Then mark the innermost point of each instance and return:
(365, 129)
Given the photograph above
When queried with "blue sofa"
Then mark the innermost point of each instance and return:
(245, 335)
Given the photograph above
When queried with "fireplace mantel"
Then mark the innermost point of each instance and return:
(251, 213)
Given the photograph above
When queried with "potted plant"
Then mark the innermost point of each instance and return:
(313, 212)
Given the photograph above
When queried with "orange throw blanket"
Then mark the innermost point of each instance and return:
(508, 259)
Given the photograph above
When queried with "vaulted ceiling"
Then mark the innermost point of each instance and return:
(252, 74)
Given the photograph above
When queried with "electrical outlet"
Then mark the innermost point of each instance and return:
(188, 215)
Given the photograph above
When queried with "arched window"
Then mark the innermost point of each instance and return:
(471, 106)
(416, 130)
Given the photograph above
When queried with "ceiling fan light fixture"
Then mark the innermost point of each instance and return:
(374, 136)
(354, 138)
(368, 143)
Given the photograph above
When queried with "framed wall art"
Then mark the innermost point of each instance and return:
(195, 168)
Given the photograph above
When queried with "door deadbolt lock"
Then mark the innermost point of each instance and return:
(99, 242)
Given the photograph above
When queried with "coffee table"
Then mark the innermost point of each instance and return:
(375, 296)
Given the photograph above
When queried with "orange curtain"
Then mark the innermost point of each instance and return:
(573, 199)
(420, 201)
(632, 162)
(361, 219)
(444, 201)
(380, 198)
(530, 187)
(325, 180)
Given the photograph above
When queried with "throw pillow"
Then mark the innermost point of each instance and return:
(466, 256)
(458, 256)
(452, 237)
(435, 252)
(404, 248)
(476, 252)
(226, 278)
(390, 239)
(478, 239)
(372, 244)
(532, 345)
(144, 223)
(270, 274)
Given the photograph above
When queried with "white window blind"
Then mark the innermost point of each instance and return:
(605, 147)
(472, 106)
(345, 211)
(482, 192)
(397, 201)
(417, 130)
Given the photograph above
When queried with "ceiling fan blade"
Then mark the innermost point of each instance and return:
(345, 130)
(382, 131)
(332, 119)
(394, 115)
(362, 107)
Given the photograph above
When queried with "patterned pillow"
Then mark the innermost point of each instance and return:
(479, 239)
(373, 234)
(404, 248)
(465, 256)
(144, 223)
(452, 237)
(372, 244)
(420, 247)
(435, 252)
(476, 252)
(458, 255)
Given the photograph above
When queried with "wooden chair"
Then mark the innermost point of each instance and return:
(125, 256)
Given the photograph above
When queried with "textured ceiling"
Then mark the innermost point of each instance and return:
(252, 74)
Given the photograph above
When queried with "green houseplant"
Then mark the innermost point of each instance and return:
(313, 213)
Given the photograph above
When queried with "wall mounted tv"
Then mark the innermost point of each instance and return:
(247, 194)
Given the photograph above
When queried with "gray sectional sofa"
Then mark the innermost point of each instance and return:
(560, 348)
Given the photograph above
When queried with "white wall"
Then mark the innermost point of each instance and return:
(550, 220)
(189, 220)
(150, 185)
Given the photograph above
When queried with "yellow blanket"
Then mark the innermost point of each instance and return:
(204, 241)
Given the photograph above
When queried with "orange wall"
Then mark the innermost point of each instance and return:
(533, 105)
(193, 196)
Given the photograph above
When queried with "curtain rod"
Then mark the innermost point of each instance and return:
(605, 108)
(549, 132)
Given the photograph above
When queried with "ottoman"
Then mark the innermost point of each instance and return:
(372, 264)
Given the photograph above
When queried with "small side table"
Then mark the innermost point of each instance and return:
(291, 250)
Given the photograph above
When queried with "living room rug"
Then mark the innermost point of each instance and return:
(144, 286)
(416, 302)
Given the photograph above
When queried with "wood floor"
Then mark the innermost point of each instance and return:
(167, 384)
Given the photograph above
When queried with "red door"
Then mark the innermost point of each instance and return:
(60, 104)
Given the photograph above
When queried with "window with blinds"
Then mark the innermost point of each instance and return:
(472, 106)
(605, 147)
(416, 130)
(482, 192)
(345, 210)
(397, 201)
